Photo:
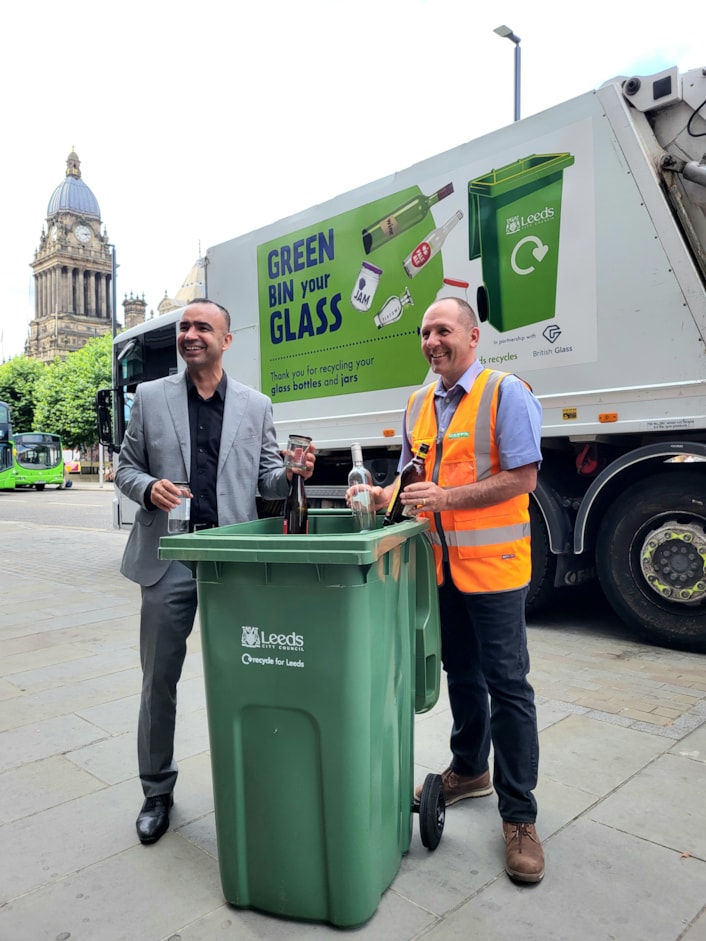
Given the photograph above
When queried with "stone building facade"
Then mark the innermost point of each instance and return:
(194, 286)
(73, 272)
(134, 311)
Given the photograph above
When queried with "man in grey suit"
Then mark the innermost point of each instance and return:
(201, 426)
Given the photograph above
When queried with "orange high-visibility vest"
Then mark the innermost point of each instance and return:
(487, 548)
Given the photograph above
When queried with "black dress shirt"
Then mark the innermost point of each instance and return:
(205, 423)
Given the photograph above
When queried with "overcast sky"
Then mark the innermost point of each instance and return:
(197, 122)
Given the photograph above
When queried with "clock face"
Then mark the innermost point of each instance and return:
(82, 233)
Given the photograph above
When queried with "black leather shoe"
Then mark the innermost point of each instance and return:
(153, 819)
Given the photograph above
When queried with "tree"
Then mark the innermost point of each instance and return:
(18, 388)
(66, 393)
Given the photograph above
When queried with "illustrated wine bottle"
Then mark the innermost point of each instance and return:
(296, 520)
(402, 218)
(430, 246)
(360, 479)
(412, 473)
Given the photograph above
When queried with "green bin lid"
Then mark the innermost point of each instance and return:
(519, 173)
(331, 541)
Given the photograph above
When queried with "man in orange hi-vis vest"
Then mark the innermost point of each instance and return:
(483, 432)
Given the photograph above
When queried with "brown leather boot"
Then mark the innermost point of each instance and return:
(458, 786)
(524, 857)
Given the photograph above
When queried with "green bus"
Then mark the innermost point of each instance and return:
(38, 460)
(7, 469)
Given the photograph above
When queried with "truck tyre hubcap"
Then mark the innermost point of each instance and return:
(673, 561)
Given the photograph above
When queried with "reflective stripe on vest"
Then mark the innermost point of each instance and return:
(485, 537)
(487, 548)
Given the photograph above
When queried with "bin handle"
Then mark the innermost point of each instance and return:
(474, 244)
(427, 631)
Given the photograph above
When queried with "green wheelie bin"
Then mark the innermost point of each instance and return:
(514, 218)
(318, 649)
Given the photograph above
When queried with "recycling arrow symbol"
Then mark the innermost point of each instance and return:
(539, 251)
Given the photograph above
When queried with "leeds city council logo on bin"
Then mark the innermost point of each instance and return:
(254, 637)
(251, 636)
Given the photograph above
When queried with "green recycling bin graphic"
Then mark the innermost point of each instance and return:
(514, 221)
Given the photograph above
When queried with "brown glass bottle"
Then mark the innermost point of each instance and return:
(295, 508)
(412, 473)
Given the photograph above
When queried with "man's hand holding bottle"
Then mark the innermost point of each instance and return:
(425, 497)
(377, 495)
(308, 459)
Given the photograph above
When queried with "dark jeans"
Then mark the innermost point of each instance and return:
(485, 656)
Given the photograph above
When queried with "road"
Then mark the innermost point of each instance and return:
(83, 506)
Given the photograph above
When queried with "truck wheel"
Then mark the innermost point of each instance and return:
(651, 559)
(541, 586)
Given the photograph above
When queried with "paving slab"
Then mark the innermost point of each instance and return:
(697, 930)
(47, 737)
(692, 745)
(662, 805)
(125, 896)
(41, 784)
(595, 756)
(603, 885)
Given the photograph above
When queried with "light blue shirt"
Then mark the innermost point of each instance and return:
(518, 426)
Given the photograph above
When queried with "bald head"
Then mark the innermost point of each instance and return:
(450, 335)
(466, 315)
(213, 304)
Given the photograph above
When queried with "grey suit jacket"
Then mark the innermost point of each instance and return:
(157, 445)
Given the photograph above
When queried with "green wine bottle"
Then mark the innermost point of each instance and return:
(402, 218)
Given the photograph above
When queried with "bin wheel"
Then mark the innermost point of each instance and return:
(432, 811)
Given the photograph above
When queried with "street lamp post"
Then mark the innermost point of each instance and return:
(114, 330)
(113, 301)
(507, 33)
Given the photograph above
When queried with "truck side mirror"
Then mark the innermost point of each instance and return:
(104, 415)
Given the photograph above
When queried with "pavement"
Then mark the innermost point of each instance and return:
(622, 806)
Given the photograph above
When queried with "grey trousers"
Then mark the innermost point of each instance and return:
(166, 620)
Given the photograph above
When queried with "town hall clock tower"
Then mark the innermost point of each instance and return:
(73, 272)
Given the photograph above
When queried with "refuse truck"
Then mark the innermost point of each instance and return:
(578, 235)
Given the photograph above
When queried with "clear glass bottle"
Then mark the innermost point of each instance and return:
(392, 309)
(296, 510)
(430, 246)
(412, 473)
(402, 218)
(361, 481)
